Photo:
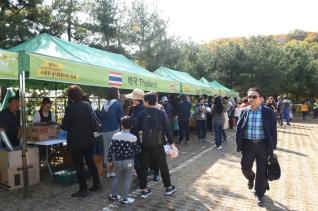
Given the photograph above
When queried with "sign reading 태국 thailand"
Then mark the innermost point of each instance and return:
(136, 81)
(54, 70)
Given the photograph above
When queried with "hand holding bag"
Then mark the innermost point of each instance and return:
(273, 168)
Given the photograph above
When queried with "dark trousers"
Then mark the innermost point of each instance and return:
(280, 118)
(201, 129)
(250, 152)
(315, 113)
(158, 155)
(304, 114)
(183, 129)
(231, 122)
(137, 165)
(154, 167)
(209, 122)
(77, 156)
(218, 134)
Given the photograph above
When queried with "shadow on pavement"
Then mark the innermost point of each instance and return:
(300, 134)
(290, 151)
(270, 204)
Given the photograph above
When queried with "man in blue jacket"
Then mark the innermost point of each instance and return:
(256, 138)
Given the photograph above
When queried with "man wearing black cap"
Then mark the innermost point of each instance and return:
(10, 120)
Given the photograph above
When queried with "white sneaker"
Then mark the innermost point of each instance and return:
(220, 147)
(113, 174)
(108, 175)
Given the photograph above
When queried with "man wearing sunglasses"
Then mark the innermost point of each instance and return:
(256, 138)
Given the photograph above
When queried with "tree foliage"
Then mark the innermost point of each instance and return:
(278, 64)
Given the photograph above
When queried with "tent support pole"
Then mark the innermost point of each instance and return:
(23, 137)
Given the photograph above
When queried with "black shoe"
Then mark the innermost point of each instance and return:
(145, 194)
(260, 201)
(170, 190)
(81, 193)
(95, 187)
(250, 184)
(114, 197)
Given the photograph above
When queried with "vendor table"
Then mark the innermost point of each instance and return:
(47, 143)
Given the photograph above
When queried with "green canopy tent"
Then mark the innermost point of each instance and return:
(189, 85)
(206, 82)
(224, 91)
(47, 58)
(9, 75)
(8, 68)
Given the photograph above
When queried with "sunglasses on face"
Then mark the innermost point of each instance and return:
(252, 97)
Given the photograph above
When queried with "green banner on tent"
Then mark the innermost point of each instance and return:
(190, 89)
(8, 65)
(59, 70)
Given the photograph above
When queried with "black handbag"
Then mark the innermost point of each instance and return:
(96, 123)
(273, 168)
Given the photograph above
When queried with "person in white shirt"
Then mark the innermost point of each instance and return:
(44, 114)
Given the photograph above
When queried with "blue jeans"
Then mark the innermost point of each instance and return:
(218, 134)
(201, 129)
(287, 116)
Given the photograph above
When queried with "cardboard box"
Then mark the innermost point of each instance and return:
(14, 158)
(12, 178)
(41, 133)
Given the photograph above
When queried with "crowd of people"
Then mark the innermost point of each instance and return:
(133, 131)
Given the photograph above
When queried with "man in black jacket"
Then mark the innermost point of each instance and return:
(256, 137)
(152, 121)
(184, 115)
(10, 121)
(80, 139)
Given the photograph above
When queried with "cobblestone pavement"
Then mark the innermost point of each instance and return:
(206, 179)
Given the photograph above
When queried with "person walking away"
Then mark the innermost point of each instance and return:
(304, 109)
(201, 115)
(184, 114)
(111, 114)
(152, 122)
(286, 110)
(256, 138)
(123, 147)
(209, 115)
(280, 110)
(218, 120)
(77, 121)
(315, 108)
(168, 110)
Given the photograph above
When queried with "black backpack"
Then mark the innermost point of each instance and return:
(151, 129)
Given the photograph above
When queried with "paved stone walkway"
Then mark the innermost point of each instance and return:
(206, 179)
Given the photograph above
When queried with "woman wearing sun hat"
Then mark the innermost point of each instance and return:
(137, 99)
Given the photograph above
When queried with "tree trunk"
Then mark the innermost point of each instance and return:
(69, 21)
